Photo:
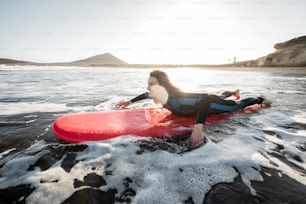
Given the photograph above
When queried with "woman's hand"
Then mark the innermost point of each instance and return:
(197, 135)
(123, 104)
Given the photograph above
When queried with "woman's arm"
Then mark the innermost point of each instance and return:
(140, 97)
(137, 98)
(197, 135)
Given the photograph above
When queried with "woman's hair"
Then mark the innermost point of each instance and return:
(164, 81)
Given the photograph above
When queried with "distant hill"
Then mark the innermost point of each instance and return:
(105, 59)
(11, 61)
(99, 60)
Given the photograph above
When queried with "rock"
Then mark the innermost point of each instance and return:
(291, 53)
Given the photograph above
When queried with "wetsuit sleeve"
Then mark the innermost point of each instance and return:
(140, 97)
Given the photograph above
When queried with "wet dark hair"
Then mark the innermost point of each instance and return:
(164, 81)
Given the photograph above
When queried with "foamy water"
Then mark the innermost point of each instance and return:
(132, 169)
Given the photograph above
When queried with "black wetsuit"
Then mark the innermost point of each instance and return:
(201, 105)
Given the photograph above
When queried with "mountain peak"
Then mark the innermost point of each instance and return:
(100, 59)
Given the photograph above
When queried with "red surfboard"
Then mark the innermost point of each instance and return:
(147, 122)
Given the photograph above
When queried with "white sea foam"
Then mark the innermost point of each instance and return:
(33, 107)
(154, 175)
(2, 154)
(24, 107)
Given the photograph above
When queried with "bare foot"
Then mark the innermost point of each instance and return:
(237, 94)
(266, 103)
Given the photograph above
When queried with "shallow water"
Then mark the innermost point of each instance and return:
(253, 158)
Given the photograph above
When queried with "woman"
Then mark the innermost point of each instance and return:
(194, 104)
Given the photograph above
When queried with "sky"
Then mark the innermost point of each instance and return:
(148, 31)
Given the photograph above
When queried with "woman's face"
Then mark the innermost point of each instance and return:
(152, 81)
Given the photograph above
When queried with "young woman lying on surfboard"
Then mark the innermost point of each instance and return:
(191, 104)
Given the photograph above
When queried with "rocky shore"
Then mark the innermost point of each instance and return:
(291, 53)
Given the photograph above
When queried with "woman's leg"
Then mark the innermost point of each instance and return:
(250, 101)
(220, 105)
(211, 103)
(227, 94)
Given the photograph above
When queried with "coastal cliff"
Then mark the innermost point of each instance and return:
(291, 53)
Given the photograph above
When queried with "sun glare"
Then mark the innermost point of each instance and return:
(187, 33)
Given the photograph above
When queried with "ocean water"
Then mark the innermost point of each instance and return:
(253, 158)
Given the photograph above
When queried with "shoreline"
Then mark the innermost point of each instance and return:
(301, 70)
(293, 70)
